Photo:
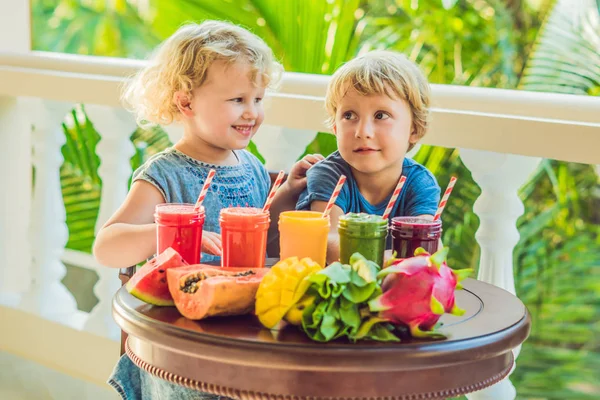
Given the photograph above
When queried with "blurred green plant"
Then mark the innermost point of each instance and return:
(97, 27)
(544, 45)
(81, 185)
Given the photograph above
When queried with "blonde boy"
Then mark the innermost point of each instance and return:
(378, 106)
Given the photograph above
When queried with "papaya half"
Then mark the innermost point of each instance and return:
(201, 291)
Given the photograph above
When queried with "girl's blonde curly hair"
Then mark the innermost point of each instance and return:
(181, 62)
(383, 73)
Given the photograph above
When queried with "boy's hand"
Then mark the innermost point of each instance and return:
(211, 243)
(297, 178)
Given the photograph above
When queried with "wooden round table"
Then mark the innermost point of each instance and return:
(238, 358)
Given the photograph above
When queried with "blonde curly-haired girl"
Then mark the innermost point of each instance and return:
(211, 78)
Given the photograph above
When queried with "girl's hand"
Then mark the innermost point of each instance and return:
(211, 243)
(297, 178)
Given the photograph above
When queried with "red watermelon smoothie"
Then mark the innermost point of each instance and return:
(244, 236)
(180, 227)
(410, 233)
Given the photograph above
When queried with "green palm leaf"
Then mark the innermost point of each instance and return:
(459, 42)
(307, 36)
(90, 27)
(567, 56)
(80, 183)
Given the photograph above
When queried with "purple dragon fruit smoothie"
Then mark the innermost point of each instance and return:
(410, 233)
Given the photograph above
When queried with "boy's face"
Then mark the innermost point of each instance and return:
(226, 110)
(373, 132)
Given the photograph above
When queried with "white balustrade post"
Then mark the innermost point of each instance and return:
(48, 296)
(174, 131)
(15, 164)
(15, 203)
(281, 146)
(500, 176)
(115, 126)
(16, 19)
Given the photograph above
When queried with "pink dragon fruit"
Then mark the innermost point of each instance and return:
(417, 291)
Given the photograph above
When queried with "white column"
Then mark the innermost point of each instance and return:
(115, 126)
(15, 25)
(15, 203)
(47, 295)
(500, 176)
(281, 146)
(15, 156)
(174, 131)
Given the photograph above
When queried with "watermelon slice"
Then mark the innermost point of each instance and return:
(149, 284)
(202, 291)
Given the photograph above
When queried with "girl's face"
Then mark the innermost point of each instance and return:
(226, 110)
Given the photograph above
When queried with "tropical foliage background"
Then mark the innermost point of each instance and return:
(541, 45)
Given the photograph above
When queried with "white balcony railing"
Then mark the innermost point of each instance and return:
(502, 135)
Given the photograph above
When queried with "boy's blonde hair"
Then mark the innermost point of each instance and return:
(378, 73)
(181, 64)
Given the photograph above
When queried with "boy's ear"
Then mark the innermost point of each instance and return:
(183, 103)
(334, 129)
(414, 137)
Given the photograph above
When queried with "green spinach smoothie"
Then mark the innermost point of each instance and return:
(364, 234)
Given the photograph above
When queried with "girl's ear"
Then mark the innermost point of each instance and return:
(183, 103)
(334, 129)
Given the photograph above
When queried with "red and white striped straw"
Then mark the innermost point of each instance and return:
(205, 187)
(394, 197)
(334, 195)
(276, 185)
(444, 200)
